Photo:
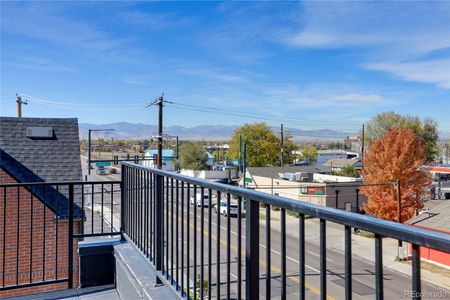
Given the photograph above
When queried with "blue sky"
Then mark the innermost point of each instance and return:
(306, 64)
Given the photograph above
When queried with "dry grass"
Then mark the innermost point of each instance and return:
(433, 268)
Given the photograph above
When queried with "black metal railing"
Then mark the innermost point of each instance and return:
(205, 239)
(184, 226)
(41, 222)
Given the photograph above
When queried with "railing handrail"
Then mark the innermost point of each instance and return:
(59, 183)
(415, 235)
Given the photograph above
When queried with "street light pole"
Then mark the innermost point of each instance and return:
(177, 164)
(89, 147)
(245, 164)
(281, 146)
(89, 153)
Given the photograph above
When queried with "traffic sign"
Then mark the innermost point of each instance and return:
(103, 164)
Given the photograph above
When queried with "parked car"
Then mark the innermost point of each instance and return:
(101, 170)
(223, 208)
(444, 177)
(198, 200)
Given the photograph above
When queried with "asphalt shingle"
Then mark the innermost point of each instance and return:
(272, 172)
(55, 159)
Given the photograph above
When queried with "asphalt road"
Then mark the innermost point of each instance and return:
(395, 284)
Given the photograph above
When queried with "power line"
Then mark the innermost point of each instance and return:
(80, 106)
(318, 124)
(259, 114)
(75, 103)
(268, 118)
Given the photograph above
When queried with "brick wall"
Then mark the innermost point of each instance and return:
(36, 245)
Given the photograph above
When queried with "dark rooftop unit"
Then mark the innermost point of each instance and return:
(42, 150)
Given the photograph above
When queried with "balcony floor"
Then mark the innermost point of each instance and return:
(93, 293)
(100, 295)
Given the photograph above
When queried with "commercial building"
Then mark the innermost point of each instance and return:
(306, 183)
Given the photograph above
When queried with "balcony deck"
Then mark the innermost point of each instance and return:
(207, 253)
(94, 293)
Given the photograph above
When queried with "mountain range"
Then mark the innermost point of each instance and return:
(128, 131)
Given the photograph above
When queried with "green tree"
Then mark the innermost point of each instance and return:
(309, 152)
(348, 171)
(263, 146)
(193, 156)
(426, 130)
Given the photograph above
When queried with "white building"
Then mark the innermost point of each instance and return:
(325, 155)
(223, 176)
(168, 159)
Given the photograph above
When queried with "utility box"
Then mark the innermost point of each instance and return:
(97, 263)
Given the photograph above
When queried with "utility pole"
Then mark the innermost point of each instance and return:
(178, 145)
(399, 218)
(245, 164)
(240, 153)
(159, 101)
(19, 105)
(89, 153)
(160, 131)
(282, 146)
(446, 153)
(362, 143)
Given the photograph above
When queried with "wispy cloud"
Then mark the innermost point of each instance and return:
(48, 22)
(136, 80)
(323, 96)
(393, 37)
(243, 28)
(211, 74)
(359, 98)
(154, 21)
(40, 64)
(435, 71)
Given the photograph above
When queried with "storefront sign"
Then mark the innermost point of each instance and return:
(312, 190)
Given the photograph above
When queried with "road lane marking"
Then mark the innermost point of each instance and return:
(315, 254)
(274, 251)
(263, 263)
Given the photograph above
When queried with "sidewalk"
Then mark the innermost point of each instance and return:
(362, 247)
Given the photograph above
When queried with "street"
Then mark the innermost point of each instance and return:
(396, 285)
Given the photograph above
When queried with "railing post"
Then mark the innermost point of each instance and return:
(122, 201)
(357, 201)
(337, 198)
(416, 288)
(70, 238)
(159, 225)
(252, 250)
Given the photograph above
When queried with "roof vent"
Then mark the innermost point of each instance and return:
(40, 132)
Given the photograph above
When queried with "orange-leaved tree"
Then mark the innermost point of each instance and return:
(398, 155)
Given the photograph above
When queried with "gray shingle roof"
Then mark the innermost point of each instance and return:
(41, 159)
(342, 162)
(56, 159)
(272, 172)
(437, 217)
